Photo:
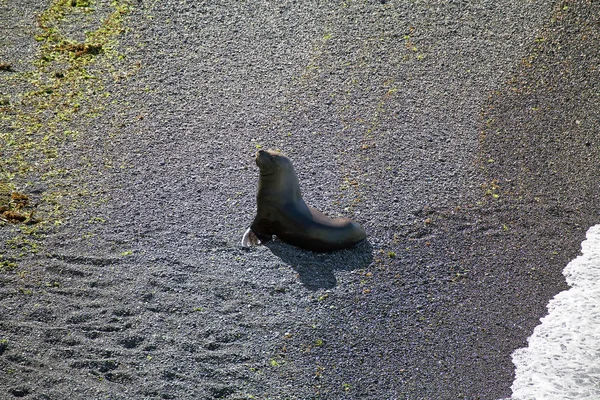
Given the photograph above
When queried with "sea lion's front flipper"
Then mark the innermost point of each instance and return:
(250, 239)
(261, 227)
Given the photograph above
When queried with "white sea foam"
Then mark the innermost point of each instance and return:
(562, 360)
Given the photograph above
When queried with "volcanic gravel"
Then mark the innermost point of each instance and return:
(462, 135)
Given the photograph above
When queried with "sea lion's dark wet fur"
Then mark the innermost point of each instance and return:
(281, 211)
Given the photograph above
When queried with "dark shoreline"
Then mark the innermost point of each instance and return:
(476, 187)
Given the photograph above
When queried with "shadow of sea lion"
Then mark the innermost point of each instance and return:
(316, 270)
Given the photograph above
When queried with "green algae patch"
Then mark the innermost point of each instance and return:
(44, 112)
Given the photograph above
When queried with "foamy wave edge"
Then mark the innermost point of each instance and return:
(562, 360)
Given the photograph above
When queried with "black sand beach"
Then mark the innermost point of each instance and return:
(463, 137)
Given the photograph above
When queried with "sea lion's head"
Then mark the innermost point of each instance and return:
(271, 162)
(278, 181)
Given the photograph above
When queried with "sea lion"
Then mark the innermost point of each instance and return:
(282, 212)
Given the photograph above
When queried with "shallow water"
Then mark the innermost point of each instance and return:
(562, 360)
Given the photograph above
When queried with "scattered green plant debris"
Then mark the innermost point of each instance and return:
(323, 297)
(459, 273)
(6, 265)
(15, 207)
(64, 86)
(491, 189)
(273, 362)
(319, 372)
(81, 3)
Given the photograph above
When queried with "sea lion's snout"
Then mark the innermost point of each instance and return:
(269, 159)
(262, 153)
(261, 158)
